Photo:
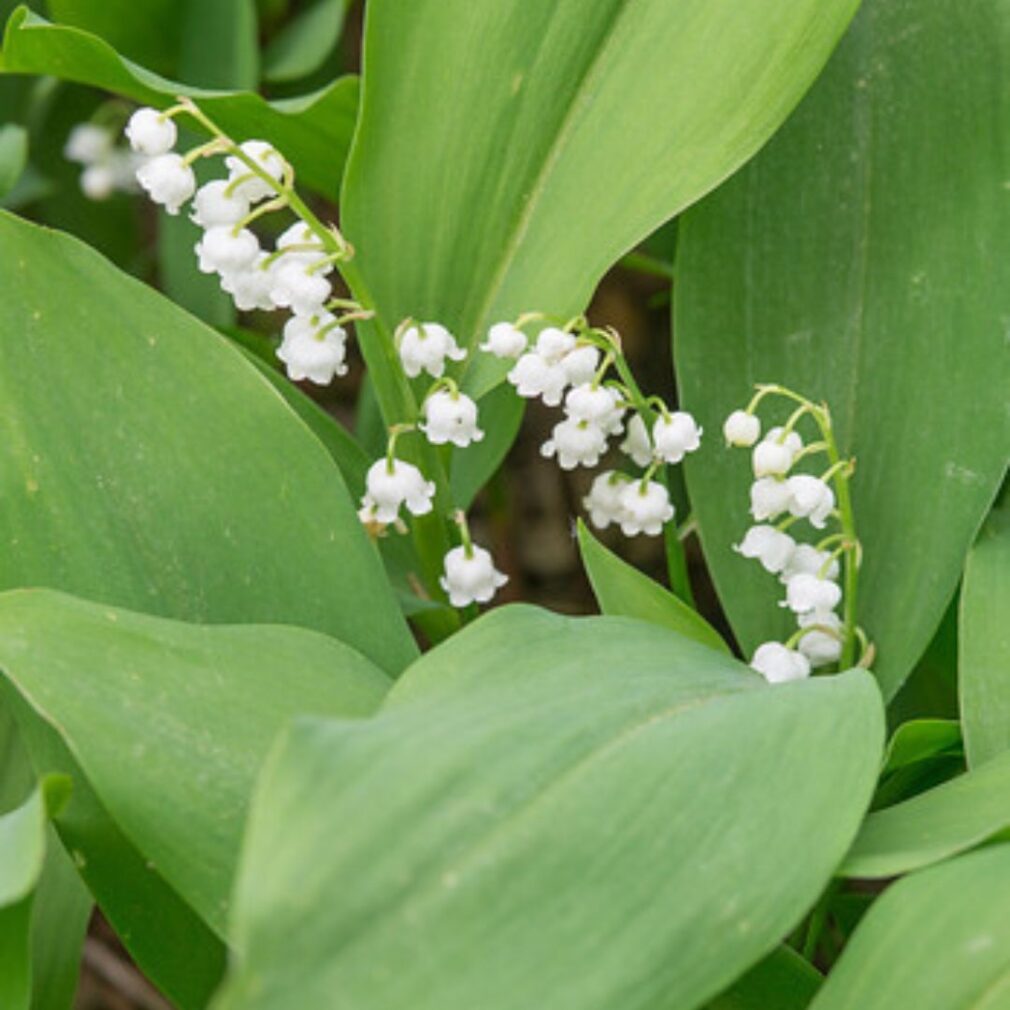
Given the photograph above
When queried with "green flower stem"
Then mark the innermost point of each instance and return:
(393, 392)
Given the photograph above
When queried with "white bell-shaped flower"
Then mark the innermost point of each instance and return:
(599, 405)
(99, 181)
(575, 443)
(603, 503)
(313, 348)
(778, 664)
(741, 429)
(675, 435)
(580, 364)
(297, 286)
(553, 344)
(250, 288)
(644, 508)
(425, 347)
(822, 644)
(214, 205)
(636, 442)
(390, 484)
(470, 576)
(810, 592)
(304, 246)
(88, 144)
(168, 181)
(266, 157)
(151, 132)
(224, 250)
(450, 416)
(810, 498)
(808, 560)
(770, 546)
(505, 340)
(769, 498)
(772, 457)
(534, 376)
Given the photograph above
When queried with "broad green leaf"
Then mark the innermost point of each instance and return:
(939, 940)
(561, 792)
(312, 131)
(150, 466)
(919, 740)
(22, 855)
(13, 155)
(148, 31)
(624, 591)
(191, 705)
(984, 639)
(170, 942)
(301, 47)
(60, 905)
(861, 258)
(509, 152)
(220, 44)
(934, 825)
(783, 981)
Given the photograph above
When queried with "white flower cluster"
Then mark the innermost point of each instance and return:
(108, 168)
(562, 367)
(294, 276)
(809, 573)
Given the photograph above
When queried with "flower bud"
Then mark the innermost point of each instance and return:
(151, 132)
(741, 429)
(504, 340)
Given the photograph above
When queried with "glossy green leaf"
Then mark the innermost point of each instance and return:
(301, 47)
(191, 704)
(13, 155)
(919, 740)
(568, 130)
(934, 825)
(984, 642)
(150, 466)
(220, 45)
(148, 31)
(60, 906)
(561, 792)
(22, 854)
(861, 258)
(313, 131)
(939, 940)
(783, 981)
(623, 591)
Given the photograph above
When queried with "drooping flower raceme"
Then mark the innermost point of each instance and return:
(809, 572)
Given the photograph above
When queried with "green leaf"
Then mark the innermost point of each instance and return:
(60, 906)
(561, 792)
(220, 44)
(984, 642)
(13, 155)
(919, 740)
(148, 31)
(22, 858)
(624, 591)
(509, 171)
(301, 47)
(934, 825)
(939, 940)
(194, 707)
(152, 467)
(852, 261)
(312, 131)
(783, 981)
